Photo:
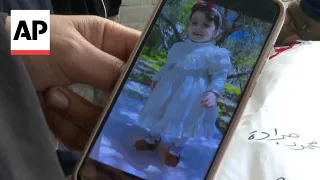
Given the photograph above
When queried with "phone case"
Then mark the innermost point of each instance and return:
(237, 116)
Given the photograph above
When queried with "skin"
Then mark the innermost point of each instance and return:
(84, 49)
(200, 30)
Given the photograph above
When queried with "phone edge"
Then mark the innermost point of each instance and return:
(213, 171)
(115, 90)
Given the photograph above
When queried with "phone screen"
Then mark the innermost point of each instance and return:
(174, 106)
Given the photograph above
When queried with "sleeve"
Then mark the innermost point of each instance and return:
(7, 5)
(220, 66)
(26, 145)
(171, 59)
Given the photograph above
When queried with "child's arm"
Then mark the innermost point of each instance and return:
(171, 58)
(218, 73)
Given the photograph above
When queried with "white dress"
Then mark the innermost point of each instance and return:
(174, 107)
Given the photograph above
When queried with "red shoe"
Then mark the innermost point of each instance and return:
(172, 156)
(144, 145)
(171, 159)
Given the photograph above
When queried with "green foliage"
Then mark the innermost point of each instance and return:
(157, 58)
(184, 18)
(232, 89)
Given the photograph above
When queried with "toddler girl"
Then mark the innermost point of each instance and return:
(183, 102)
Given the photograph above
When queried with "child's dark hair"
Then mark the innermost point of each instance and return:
(210, 12)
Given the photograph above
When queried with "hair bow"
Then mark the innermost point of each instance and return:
(204, 3)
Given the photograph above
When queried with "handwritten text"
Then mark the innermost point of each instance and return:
(292, 145)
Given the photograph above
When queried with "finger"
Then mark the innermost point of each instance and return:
(205, 99)
(209, 100)
(67, 132)
(208, 104)
(109, 36)
(73, 108)
(204, 105)
(94, 67)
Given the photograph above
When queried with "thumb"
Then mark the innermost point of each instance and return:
(73, 107)
(70, 117)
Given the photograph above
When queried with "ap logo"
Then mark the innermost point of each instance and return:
(30, 32)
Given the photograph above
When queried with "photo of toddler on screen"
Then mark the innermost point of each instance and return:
(183, 102)
(179, 98)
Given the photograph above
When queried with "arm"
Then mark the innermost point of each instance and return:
(171, 58)
(218, 73)
(26, 148)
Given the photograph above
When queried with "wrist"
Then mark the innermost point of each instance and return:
(211, 92)
(214, 93)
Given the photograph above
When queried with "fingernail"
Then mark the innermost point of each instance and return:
(58, 100)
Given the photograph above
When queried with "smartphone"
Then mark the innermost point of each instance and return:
(176, 106)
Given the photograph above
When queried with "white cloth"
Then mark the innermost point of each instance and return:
(286, 98)
(174, 107)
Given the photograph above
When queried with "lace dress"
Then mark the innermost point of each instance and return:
(173, 108)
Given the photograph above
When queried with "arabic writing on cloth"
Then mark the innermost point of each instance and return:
(278, 137)
(290, 138)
